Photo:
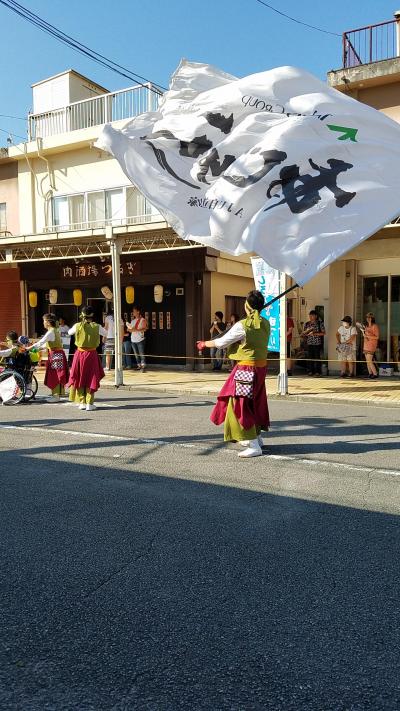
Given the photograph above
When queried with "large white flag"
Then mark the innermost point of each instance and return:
(275, 163)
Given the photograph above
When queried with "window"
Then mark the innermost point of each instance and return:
(96, 207)
(69, 210)
(138, 206)
(3, 216)
(376, 301)
(135, 203)
(102, 207)
(115, 205)
(76, 204)
(107, 206)
(395, 320)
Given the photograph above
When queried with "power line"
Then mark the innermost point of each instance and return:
(52, 30)
(20, 118)
(11, 133)
(299, 22)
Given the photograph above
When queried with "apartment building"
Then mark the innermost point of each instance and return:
(368, 277)
(60, 197)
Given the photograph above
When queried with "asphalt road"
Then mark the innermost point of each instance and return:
(144, 566)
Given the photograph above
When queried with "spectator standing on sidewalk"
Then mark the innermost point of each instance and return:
(63, 327)
(218, 328)
(127, 352)
(346, 337)
(371, 337)
(137, 328)
(314, 332)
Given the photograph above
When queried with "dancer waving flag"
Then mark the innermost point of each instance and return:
(242, 403)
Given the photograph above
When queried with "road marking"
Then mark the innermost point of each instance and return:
(185, 445)
(54, 430)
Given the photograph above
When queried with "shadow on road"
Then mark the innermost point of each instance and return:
(123, 590)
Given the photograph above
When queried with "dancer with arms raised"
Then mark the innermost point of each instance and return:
(242, 403)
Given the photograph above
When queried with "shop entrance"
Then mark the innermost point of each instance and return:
(381, 296)
(166, 335)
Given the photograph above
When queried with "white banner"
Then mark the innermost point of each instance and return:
(275, 163)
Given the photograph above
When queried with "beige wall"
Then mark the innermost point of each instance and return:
(66, 173)
(383, 246)
(227, 285)
(385, 98)
(233, 277)
(9, 195)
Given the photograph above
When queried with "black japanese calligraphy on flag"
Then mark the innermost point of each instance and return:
(275, 163)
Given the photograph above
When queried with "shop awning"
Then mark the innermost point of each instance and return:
(87, 243)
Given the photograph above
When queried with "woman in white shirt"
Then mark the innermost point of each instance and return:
(346, 337)
(137, 328)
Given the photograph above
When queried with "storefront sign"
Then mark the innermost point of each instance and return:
(95, 270)
(266, 280)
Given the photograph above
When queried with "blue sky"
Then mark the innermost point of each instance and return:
(240, 36)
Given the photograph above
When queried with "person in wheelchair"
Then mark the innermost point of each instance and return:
(9, 354)
(15, 360)
(23, 360)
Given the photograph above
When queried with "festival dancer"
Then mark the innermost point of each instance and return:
(242, 403)
(86, 369)
(57, 372)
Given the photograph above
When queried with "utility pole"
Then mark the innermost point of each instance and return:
(282, 378)
(116, 244)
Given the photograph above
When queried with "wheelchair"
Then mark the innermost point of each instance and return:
(24, 384)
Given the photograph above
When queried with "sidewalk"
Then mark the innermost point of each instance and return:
(384, 392)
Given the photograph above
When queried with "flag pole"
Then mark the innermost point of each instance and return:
(283, 293)
(282, 377)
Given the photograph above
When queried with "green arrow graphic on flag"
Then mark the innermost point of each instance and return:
(348, 133)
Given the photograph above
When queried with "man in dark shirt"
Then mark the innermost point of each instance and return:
(218, 328)
(314, 332)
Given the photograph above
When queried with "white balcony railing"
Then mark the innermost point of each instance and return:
(105, 108)
(101, 224)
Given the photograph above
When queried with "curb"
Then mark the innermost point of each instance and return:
(273, 396)
(334, 401)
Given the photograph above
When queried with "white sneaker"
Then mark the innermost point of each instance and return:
(53, 398)
(91, 407)
(106, 370)
(253, 450)
(246, 442)
(82, 407)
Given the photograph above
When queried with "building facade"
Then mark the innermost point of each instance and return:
(61, 195)
(368, 277)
